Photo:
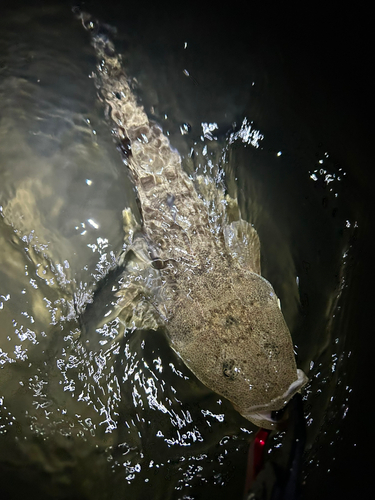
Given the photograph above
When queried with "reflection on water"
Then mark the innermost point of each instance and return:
(130, 419)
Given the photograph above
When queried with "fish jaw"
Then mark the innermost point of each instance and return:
(261, 416)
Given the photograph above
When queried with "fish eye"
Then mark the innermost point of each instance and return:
(230, 320)
(229, 370)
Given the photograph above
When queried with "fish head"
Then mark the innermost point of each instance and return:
(235, 340)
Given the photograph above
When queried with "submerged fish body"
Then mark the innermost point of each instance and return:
(202, 282)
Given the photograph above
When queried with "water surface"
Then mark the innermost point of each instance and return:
(130, 419)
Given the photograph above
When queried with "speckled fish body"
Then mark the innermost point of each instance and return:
(200, 280)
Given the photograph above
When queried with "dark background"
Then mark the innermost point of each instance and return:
(328, 52)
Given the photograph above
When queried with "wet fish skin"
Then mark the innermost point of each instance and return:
(222, 317)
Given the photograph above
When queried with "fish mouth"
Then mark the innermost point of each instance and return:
(271, 415)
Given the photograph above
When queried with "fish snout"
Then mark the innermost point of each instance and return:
(274, 415)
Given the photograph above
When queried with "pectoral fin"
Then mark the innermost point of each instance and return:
(124, 299)
(242, 242)
(139, 288)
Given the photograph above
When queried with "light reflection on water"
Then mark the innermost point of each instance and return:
(131, 415)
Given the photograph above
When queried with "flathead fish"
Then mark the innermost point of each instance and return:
(201, 281)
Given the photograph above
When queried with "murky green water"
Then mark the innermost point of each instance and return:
(131, 421)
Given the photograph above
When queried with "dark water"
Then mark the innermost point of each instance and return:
(132, 421)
